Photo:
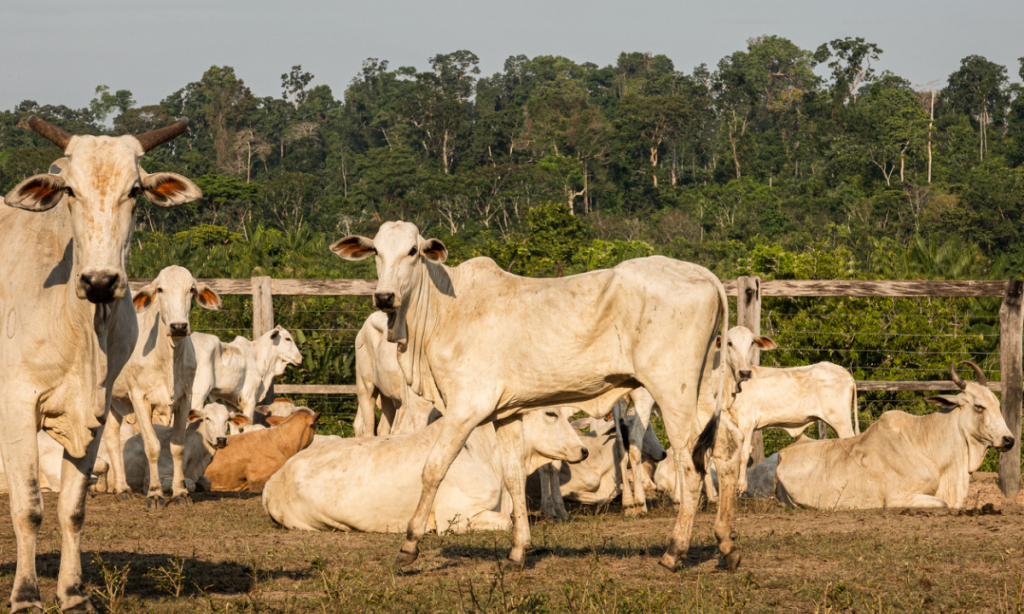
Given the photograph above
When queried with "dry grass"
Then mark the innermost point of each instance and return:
(225, 555)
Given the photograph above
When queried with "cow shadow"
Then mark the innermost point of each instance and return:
(152, 575)
(696, 556)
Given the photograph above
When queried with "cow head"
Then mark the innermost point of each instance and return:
(214, 426)
(284, 349)
(741, 352)
(398, 250)
(980, 419)
(548, 433)
(171, 293)
(99, 181)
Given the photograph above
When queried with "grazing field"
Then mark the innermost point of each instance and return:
(223, 554)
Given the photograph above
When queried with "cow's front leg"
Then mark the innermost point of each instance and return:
(551, 503)
(179, 492)
(730, 463)
(622, 457)
(513, 465)
(144, 414)
(451, 439)
(20, 452)
(115, 478)
(74, 483)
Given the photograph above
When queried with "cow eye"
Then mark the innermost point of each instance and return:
(70, 192)
(412, 252)
(730, 344)
(135, 191)
(159, 289)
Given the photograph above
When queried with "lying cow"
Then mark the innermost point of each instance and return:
(373, 484)
(598, 479)
(204, 436)
(251, 458)
(760, 479)
(156, 384)
(240, 373)
(901, 460)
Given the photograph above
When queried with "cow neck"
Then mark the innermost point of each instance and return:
(266, 363)
(165, 346)
(949, 459)
(425, 302)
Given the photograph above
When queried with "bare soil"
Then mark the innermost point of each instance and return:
(225, 554)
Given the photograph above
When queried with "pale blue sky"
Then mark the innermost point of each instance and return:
(58, 51)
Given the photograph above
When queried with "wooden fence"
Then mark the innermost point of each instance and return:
(749, 292)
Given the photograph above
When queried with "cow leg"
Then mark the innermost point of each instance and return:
(450, 441)
(387, 416)
(179, 492)
(710, 476)
(622, 457)
(144, 415)
(116, 481)
(730, 463)
(74, 483)
(643, 404)
(20, 452)
(551, 502)
(513, 466)
(914, 499)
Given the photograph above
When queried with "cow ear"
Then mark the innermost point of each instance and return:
(37, 193)
(193, 415)
(275, 420)
(207, 298)
(944, 401)
(169, 189)
(239, 420)
(434, 251)
(144, 297)
(718, 341)
(353, 247)
(765, 343)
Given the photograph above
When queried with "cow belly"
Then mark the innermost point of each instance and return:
(821, 475)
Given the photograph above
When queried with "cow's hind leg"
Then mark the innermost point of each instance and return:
(730, 463)
(452, 437)
(74, 484)
(20, 451)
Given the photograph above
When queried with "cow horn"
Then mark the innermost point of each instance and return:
(155, 138)
(559, 269)
(510, 265)
(956, 378)
(52, 133)
(977, 371)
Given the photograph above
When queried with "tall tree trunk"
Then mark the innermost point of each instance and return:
(931, 120)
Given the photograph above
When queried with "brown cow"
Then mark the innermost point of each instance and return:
(251, 458)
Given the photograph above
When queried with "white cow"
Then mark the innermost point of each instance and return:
(760, 479)
(205, 434)
(490, 346)
(156, 384)
(373, 484)
(68, 326)
(598, 479)
(240, 373)
(901, 460)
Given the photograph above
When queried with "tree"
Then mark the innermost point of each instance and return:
(850, 61)
(293, 85)
(105, 102)
(978, 89)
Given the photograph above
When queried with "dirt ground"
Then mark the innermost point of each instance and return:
(224, 554)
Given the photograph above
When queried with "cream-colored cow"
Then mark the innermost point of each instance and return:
(493, 346)
(901, 460)
(373, 484)
(156, 384)
(68, 326)
(240, 373)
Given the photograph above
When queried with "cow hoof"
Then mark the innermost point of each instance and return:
(84, 607)
(732, 560)
(514, 564)
(124, 496)
(29, 609)
(668, 562)
(181, 500)
(405, 559)
(155, 503)
(634, 512)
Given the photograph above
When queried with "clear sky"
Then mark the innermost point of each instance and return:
(58, 51)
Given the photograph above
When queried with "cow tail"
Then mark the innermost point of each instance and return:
(706, 440)
(705, 443)
(856, 414)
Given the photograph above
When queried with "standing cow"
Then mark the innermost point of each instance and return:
(488, 346)
(68, 326)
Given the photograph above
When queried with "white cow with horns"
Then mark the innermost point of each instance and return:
(486, 345)
(69, 326)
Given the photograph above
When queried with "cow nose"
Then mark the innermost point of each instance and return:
(99, 287)
(179, 329)
(384, 300)
(1007, 443)
(744, 375)
(222, 442)
(584, 453)
(662, 456)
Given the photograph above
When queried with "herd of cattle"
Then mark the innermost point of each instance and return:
(475, 372)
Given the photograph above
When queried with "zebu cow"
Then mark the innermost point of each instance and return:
(69, 326)
(489, 346)
(240, 373)
(901, 460)
(157, 381)
(373, 484)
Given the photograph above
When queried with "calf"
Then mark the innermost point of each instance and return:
(373, 484)
(251, 458)
(901, 460)
(240, 373)
(157, 381)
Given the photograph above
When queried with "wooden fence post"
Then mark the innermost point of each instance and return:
(748, 313)
(1011, 329)
(262, 319)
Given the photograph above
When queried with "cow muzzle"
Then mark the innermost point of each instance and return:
(100, 287)
(179, 329)
(222, 442)
(385, 301)
(1007, 444)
